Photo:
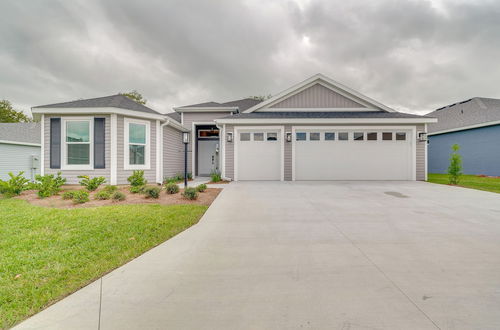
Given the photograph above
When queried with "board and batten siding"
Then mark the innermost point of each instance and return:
(72, 175)
(317, 96)
(122, 174)
(173, 152)
(16, 158)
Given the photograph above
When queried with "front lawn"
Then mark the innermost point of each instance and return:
(48, 253)
(469, 181)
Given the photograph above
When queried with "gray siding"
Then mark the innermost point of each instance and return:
(420, 155)
(317, 96)
(229, 154)
(288, 156)
(123, 174)
(71, 176)
(16, 158)
(173, 152)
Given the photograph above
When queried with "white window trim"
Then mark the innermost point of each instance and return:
(126, 149)
(64, 145)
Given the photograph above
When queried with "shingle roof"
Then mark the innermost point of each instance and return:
(20, 132)
(241, 104)
(174, 115)
(470, 112)
(116, 101)
(322, 114)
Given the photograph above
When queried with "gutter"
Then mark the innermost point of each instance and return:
(345, 121)
(21, 143)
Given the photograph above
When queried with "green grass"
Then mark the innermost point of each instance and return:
(58, 251)
(469, 181)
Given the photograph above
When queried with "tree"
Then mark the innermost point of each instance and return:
(9, 115)
(455, 168)
(136, 96)
(260, 97)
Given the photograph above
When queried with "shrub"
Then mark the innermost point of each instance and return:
(68, 194)
(201, 188)
(110, 189)
(137, 179)
(176, 178)
(455, 168)
(102, 195)
(15, 185)
(190, 193)
(91, 184)
(215, 176)
(48, 185)
(152, 192)
(172, 188)
(118, 196)
(80, 197)
(136, 189)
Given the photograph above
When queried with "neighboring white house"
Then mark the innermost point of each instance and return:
(19, 149)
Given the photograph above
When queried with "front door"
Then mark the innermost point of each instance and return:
(207, 157)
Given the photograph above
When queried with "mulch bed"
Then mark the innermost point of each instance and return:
(204, 198)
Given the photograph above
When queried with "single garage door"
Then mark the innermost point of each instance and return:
(353, 154)
(258, 154)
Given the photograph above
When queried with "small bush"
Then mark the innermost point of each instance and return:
(172, 188)
(175, 179)
(80, 197)
(152, 192)
(136, 189)
(68, 194)
(15, 185)
(201, 188)
(215, 176)
(110, 189)
(118, 196)
(137, 179)
(102, 195)
(455, 168)
(91, 184)
(48, 185)
(190, 193)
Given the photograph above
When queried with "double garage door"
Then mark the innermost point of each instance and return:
(325, 154)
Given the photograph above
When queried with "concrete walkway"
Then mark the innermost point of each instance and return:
(282, 255)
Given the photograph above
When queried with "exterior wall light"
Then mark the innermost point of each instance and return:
(288, 136)
(422, 136)
(229, 137)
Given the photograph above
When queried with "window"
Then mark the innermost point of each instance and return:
(244, 136)
(78, 140)
(300, 136)
(272, 136)
(258, 136)
(137, 144)
(314, 136)
(208, 133)
(387, 136)
(329, 136)
(400, 136)
(358, 136)
(371, 136)
(343, 136)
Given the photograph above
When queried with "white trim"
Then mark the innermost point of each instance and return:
(64, 146)
(317, 121)
(426, 155)
(330, 83)
(182, 118)
(21, 143)
(113, 125)
(206, 109)
(319, 110)
(236, 140)
(158, 152)
(104, 110)
(42, 142)
(489, 123)
(126, 151)
(193, 144)
(412, 139)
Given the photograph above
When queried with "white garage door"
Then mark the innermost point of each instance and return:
(258, 154)
(353, 154)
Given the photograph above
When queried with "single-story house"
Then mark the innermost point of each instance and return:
(474, 125)
(19, 149)
(318, 129)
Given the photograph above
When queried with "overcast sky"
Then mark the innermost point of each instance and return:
(414, 56)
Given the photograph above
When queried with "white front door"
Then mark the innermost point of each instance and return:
(259, 154)
(353, 154)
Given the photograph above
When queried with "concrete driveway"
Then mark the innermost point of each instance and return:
(337, 255)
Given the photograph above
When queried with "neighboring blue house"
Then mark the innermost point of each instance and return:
(473, 124)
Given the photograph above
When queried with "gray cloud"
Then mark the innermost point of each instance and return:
(411, 55)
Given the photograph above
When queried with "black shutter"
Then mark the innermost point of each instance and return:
(99, 143)
(55, 142)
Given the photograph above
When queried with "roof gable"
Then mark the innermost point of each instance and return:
(320, 93)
